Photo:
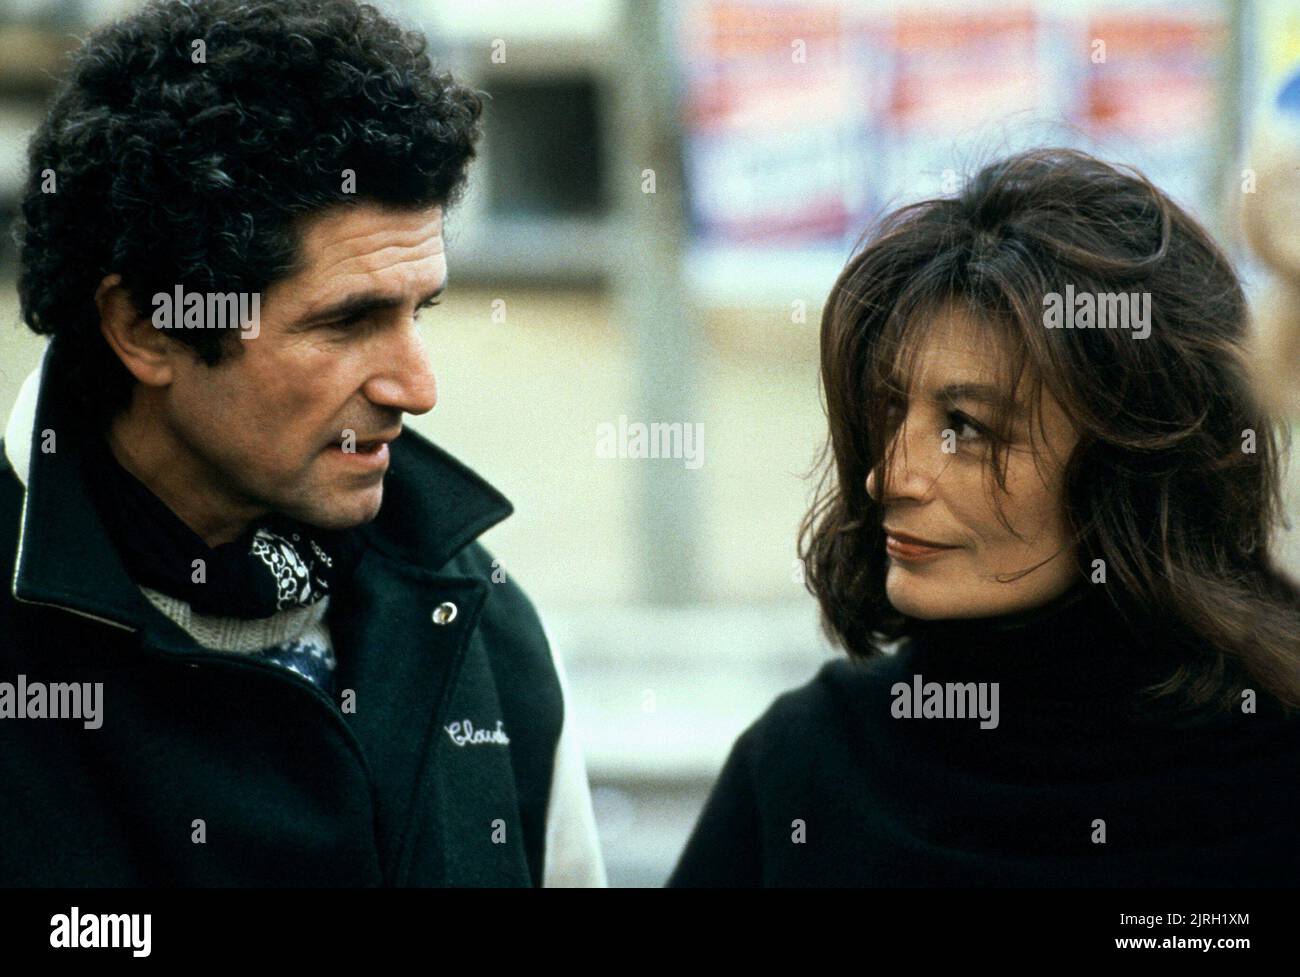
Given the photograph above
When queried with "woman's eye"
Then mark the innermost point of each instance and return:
(421, 308)
(965, 428)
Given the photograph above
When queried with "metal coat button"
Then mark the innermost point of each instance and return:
(444, 613)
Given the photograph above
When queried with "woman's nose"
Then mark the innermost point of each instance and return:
(911, 465)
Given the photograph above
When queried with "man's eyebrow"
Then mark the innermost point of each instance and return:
(364, 303)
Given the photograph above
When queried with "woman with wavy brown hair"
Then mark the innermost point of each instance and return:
(1042, 538)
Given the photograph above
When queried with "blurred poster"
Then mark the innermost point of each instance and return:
(1151, 95)
(1277, 41)
(967, 84)
(779, 109)
(805, 119)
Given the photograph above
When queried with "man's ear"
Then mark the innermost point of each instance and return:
(144, 350)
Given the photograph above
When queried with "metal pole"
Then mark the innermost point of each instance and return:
(650, 292)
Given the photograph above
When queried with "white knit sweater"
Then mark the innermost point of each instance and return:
(297, 639)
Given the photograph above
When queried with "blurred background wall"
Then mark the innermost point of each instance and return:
(665, 195)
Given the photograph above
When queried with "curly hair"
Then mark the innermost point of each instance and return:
(1159, 485)
(188, 141)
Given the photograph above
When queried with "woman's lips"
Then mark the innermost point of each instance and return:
(907, 548)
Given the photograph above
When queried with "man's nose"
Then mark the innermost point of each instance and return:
(406, 379)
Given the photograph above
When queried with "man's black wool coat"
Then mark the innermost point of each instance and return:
(290, 789)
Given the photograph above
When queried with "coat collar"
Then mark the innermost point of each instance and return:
(434, 506)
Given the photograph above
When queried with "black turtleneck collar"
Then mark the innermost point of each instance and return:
(1074, 656)
(1081, 602)
(275, 564)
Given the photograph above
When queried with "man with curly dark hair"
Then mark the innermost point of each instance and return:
(291, 660)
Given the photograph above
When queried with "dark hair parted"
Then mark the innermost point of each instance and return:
(1159, 484)
(185, 163)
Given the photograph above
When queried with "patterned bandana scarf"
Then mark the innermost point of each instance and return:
(276, 564)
